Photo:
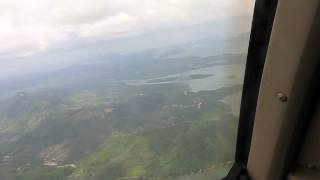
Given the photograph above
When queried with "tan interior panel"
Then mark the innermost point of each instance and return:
(308, 165)
(288, 69)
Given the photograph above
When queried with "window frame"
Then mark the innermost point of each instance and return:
(262, 22)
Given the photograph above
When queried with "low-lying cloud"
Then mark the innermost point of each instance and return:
(31, 27)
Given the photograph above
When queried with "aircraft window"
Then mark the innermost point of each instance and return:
(114, 90)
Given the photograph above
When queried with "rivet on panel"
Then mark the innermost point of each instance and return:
(282, 97)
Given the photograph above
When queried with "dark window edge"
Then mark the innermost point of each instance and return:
(262, 22)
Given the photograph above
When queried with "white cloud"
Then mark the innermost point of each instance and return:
(32, 26)
(39, 35)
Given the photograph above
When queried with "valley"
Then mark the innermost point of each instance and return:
(103, 124)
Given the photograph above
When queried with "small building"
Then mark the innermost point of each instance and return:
(6, 158)
(109, 110)
(50, 163)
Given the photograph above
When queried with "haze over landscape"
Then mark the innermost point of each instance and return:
(104, 90)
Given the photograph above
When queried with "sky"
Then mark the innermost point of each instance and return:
(32, 32)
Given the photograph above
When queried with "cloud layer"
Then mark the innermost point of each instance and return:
(33, 26)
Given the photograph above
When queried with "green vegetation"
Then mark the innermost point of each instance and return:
(111, 130)
(164, 153)
(43, 173)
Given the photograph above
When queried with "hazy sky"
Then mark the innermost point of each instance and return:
(32, 27)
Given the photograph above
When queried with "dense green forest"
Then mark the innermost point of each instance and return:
(102, 126)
